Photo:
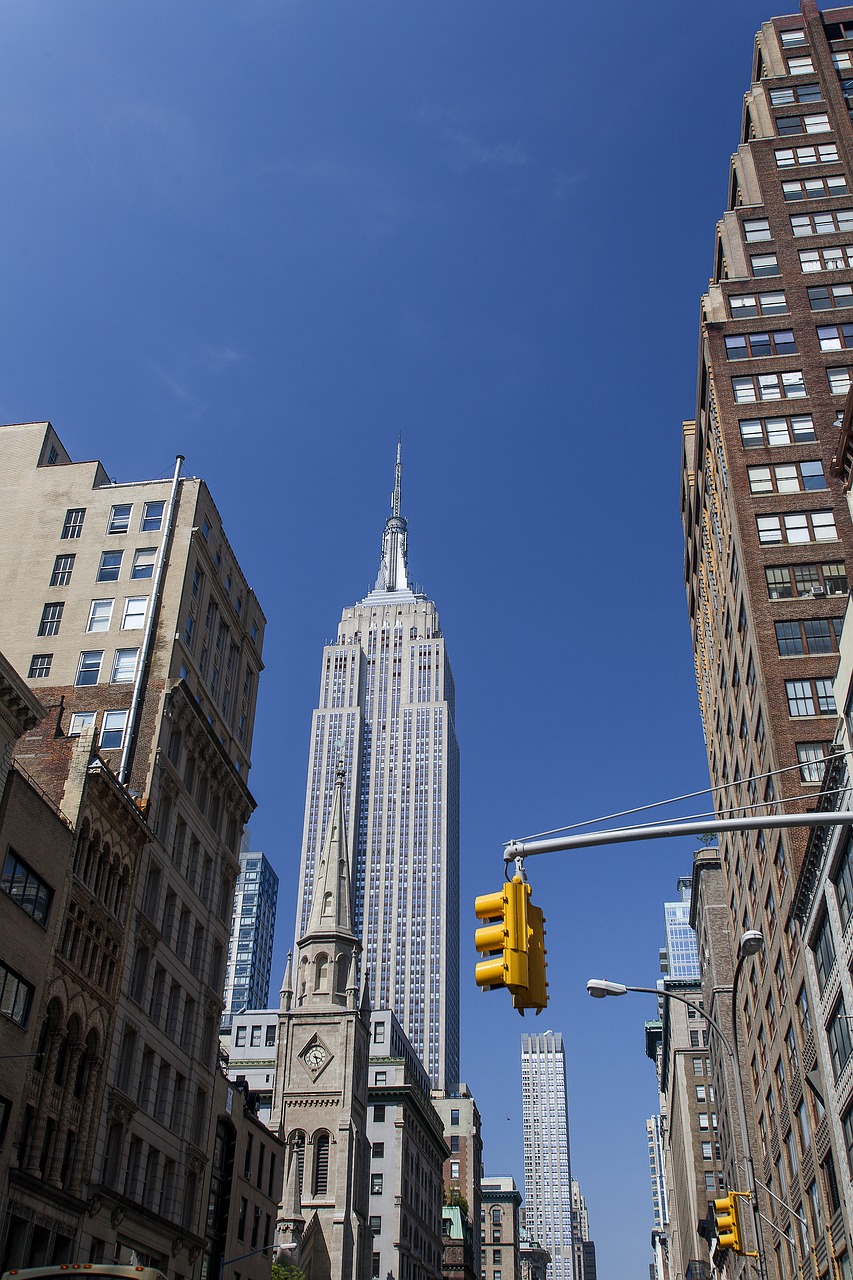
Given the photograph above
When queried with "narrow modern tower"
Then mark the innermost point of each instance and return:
(386, 708)
(547, 1166)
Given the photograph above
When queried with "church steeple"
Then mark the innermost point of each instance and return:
(329, 947)
(394, 565)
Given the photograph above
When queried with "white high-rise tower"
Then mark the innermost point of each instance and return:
(387, 710)
(547, 1166)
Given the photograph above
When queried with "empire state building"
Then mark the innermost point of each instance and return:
(386, 708)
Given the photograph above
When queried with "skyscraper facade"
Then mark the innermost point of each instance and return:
(387, 709)
(547, 1165)
(247, 981)
(768, 535)
(680, 956)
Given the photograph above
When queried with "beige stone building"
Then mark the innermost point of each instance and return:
(463, 1168)
(134, 623)
(500, 1229)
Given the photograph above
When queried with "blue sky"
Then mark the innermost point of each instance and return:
(272, 235)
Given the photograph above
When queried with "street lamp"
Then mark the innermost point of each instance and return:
(750, 943)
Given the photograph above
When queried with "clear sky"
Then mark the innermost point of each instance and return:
(271, 235)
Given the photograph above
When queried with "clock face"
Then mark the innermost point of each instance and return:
(315, 1057)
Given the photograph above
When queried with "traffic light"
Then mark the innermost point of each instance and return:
(727, 1217)
(504, 939)
(514, 941)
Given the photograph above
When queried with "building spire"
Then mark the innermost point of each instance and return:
(331, 911)
(393, 567)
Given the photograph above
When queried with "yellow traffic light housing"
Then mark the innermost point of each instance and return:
(727, 1216)
(514, 941)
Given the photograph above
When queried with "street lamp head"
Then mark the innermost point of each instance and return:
(750, 942)
(600, 987)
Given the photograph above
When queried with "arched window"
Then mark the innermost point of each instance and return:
(321, 1164)
(299, 1157)
(321, 974)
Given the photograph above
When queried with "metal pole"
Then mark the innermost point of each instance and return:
(741, 1109)
(711, 826)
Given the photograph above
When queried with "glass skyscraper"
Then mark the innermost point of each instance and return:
(386, 709)
(547, 1165)
(679, 958)
(247, 984)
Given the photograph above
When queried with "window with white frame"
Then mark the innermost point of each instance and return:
(792, 477)
(810, 697)
(109, 567)
(119, 521)
(756, 433)
(152, 516)
(751, 346)
(133, 617)
(790, 157)
(833, 258)
(764, 264)
(143, 562)
(769, 386)
(112, 730)
(839, 380)
(40, 664)
(89, 667)
(79, 721)
(124, 666)
(822, 224)
(815, 188)
(812, 758)
(756, 229)
(796, 527)
(792, 37)
(818, 122)
(842, 61)
(100, 615)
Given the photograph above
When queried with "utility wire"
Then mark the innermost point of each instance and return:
(691, 795)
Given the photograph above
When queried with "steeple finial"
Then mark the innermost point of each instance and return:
(393, 567)
(286, 994)
(331, 910)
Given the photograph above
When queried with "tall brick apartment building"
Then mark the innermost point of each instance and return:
(768, 544)
(126, 613)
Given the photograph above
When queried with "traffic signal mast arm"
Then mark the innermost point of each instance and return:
(711, 826)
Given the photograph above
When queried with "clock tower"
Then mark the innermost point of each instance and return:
(320, 1102)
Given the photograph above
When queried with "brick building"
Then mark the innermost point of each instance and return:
(768, 534)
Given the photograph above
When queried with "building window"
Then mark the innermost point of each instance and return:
(380, 1077)
(377, 1150)
(124, 666)
(375, 1223)
(824, 953)
(270, 1035)
(89, 668)
(152, 517)
(816, 122)
(112, 730)
(792, 37)
(379, 1033)
(379, 1112)
(454, 1169)
(110, 566)
(119, 520)
(100, 615)
(785, 582)
(796, 92)
(810, 697)
(51, 616)
(835, 337)
(143, 562)
(62, 569)
(79, 721)
(818, 635)
(765, 264)
(824, 297)
(815, 189)
(376, 1184)
(40, 666)
(454, 1115)
(797, 527)
(240, 1037)
(812, 758)
(823, 153)
(789, 477)
(16, 995)
(743, 305)
(844, 883)
(454, 1144)
(706, 1151)
(834, 258)
(73, 524)
(26, 888)
(840, 1042)
(751, 346)
(133, 617)
(756, 229)
(255, 1037)
(756, 433)
(321, 1166)
(769, 386)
